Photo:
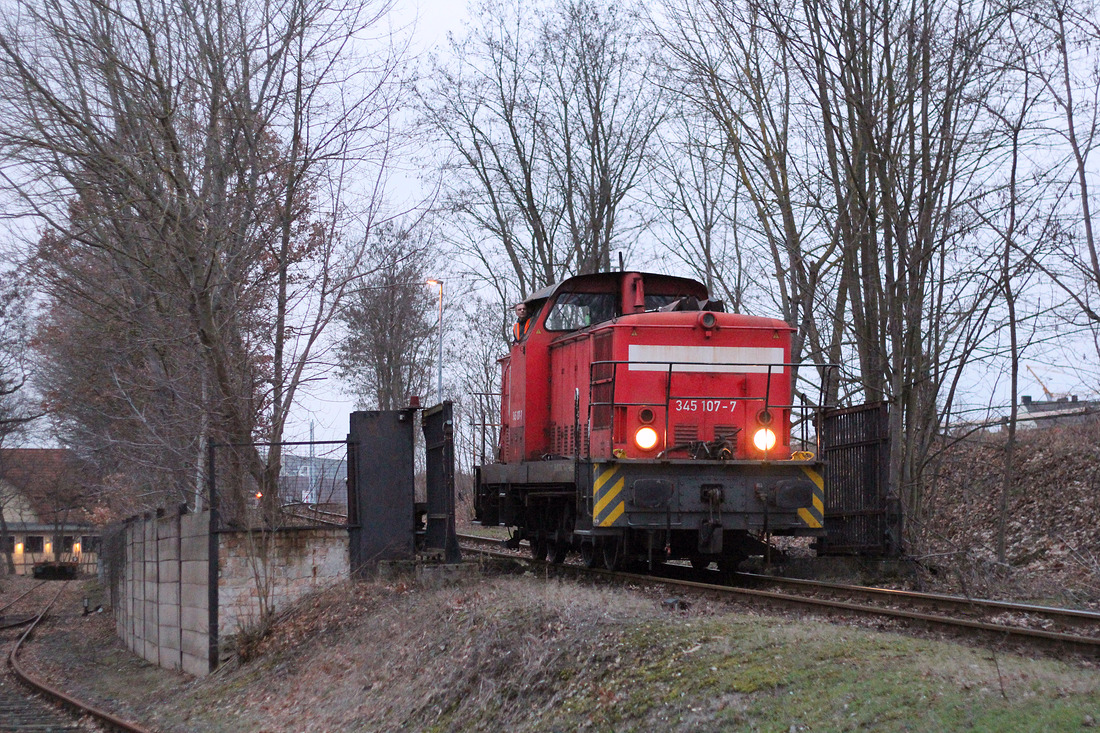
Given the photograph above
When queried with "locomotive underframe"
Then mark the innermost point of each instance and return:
(652, 510)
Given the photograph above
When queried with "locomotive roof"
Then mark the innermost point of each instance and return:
(600, 281)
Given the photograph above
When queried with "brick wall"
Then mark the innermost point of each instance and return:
(161, 586)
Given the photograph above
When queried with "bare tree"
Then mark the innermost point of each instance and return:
(738, 71)
(1057, 42)
(388, 347)
(858, 134)
(201, 152)
(606, 109)
(1019, 223)
(122, 373)
(548, 112)
(15, 410)
(473, 360)
(695, 193)
(198, 150)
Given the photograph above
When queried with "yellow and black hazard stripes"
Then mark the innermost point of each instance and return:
(607, 495)
(814, 515)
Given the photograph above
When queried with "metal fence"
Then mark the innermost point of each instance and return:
(292, 485)
(857, 450)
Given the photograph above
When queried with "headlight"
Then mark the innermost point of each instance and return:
(645, 438)
(764, 439)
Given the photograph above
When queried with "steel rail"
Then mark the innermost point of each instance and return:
(1069, 615)
(1054, 612)
(21, 596)
(479, 538)
(23, 620)
(66, 700)
(5, 625)
(1084, 643)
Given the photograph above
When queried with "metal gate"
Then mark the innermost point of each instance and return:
(856, 448)
(380, 488)
(438, 424)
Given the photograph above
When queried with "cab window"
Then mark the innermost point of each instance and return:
(653, 302)
(573, 311)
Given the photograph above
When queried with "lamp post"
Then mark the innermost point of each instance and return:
(439, 384)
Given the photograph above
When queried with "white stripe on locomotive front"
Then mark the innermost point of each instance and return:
(739, 359)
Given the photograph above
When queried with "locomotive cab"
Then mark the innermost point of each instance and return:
(640, 420)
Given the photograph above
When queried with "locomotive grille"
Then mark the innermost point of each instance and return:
(685, 433)
(725, 431)
(562, 439)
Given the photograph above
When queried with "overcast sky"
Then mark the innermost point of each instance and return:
(433, 19)
(327, 406)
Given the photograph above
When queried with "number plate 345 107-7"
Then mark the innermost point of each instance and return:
(720, 406)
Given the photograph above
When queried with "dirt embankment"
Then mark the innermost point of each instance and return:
(523, 653)
(1051, 522)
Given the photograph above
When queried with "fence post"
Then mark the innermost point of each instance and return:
(212, 558)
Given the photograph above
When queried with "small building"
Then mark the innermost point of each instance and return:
(318, 481)
(1059, 411)
(44, 515)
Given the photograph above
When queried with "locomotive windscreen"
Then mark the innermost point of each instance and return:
(572, 311)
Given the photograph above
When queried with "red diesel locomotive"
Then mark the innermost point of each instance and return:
(642, 423)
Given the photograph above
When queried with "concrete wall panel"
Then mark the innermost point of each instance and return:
(164, 593)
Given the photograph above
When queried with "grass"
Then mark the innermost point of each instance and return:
(477, 530)
(523, 654)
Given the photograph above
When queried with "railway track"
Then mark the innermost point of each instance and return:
(1030, 625)
(27, 703)
(21, 710)
(1039, 618)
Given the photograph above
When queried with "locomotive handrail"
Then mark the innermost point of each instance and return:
(825, 369)
(671, 364)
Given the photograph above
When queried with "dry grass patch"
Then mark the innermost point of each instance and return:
(522, 653)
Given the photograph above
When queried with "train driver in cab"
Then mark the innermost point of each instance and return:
(523, 321)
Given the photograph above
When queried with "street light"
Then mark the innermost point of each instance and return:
(439, 384)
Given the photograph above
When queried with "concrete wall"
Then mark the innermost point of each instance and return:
(192, 605)
(161, 606)
(306, 559)
(162, 592)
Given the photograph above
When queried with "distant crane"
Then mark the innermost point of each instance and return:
(1047, 392)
